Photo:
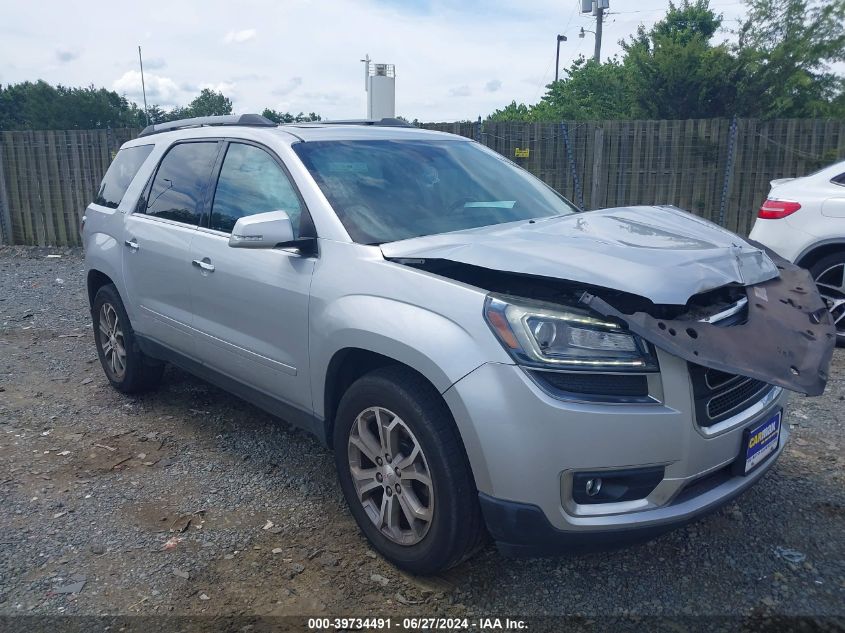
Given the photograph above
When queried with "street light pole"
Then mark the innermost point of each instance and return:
(560, 38)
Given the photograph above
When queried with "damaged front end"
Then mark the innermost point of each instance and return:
(784, 336)
(776, 332)
(658, 273)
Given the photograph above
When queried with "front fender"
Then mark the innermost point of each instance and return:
(439, 348)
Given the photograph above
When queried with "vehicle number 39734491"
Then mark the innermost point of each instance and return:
(415, 624)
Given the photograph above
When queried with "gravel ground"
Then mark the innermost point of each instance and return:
(189, 501)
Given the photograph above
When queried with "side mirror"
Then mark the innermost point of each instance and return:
(262, 230)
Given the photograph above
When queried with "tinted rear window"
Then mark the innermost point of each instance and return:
(120, 174)
(179, 185)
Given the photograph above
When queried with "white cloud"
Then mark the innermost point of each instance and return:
(237, 37)
(287, 88)
(460, 91)
(493, 85)
(156, 63)
(162, 91)
(66, 55)
(307, 59)
(226, 87)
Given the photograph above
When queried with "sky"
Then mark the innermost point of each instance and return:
(454, 59)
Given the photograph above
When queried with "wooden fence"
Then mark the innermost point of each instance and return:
(716, 168)
(719, 169)
(47, 178)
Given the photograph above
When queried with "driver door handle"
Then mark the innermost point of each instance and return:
(207, 266)
(132, 244)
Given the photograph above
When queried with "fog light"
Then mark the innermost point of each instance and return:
(593, 487)
(613, 486)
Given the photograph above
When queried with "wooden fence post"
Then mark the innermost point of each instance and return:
(6, 235)
(598, 150)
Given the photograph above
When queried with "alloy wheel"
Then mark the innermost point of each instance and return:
(112, 342)
(831, 285)
(391, 475)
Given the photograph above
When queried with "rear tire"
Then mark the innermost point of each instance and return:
(127, 368)
(420, 527)
(829, 275)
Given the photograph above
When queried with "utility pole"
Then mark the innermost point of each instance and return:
(597, 8)
(599, 19)
(560, 38)
(143, 87)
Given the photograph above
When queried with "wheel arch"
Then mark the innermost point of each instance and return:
(96, 280)
(345, 367)
(820, 250)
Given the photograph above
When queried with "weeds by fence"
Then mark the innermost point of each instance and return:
(716, 168)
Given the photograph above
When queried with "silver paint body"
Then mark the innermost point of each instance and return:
(274, 319)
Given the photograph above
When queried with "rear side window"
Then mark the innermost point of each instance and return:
(179, 184)
(839, 180)
(251, 182)
(120, 174)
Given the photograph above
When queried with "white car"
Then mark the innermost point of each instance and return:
(803, 220)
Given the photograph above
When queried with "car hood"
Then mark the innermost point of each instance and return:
(657, 252)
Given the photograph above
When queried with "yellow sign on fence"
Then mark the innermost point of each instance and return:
(521, 153)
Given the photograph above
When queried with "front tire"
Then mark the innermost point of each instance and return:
(404, 472)
(829, 275)
(128, 369)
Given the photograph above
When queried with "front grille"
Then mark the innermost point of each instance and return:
(719, 395)
(742, 392)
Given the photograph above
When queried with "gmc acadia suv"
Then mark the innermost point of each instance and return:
(483, 357)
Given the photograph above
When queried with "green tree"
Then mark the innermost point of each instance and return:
(38, 105)
(513, 112)
(207, 103)
(287, 117)
(674, 72)
(786, 49)
(589, 90)
(669, 71)
(782, 66)
(156, 115)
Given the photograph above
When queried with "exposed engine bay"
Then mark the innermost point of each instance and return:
(780, 331)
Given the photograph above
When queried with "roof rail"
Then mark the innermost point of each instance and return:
(386, 122)
(252, 120)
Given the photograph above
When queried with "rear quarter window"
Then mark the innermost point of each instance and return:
(838, 180)
(178, 189)
(120, 173)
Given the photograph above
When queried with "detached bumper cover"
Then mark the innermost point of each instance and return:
(788, 339)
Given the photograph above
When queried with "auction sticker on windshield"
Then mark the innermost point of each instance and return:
(761, 441)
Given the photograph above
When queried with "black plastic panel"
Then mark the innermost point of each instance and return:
(630, 385)
(787, 340)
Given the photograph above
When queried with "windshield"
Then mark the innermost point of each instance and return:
(385, 191)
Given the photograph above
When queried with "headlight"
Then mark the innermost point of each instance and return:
(549, 335)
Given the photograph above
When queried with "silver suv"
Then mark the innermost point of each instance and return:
(483, 357)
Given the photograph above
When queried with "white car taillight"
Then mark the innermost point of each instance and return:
(776, 209)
